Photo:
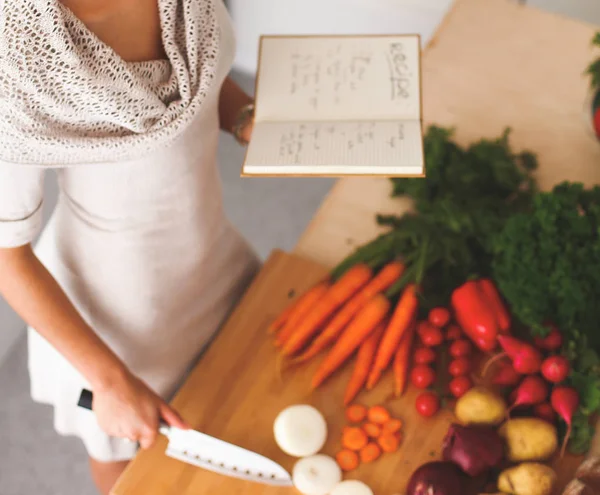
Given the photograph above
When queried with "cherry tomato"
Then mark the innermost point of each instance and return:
(460, 385)
(432, 336)
(460, 367)
(439, 317)
(454, 332)
(460, 348)
(427, 404)
(423, 327)
(424, 355)
(422, 376)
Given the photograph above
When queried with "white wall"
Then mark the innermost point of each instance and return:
(11, 326)
(256, 17)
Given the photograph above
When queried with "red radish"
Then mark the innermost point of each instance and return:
(544, 411)
(565, 401)
(506, 376)
(555, 369)
(551, 342)
(526, 358)
(532, 390)
(485, 345)
(439, 317)
(460, 348)
(424, 355)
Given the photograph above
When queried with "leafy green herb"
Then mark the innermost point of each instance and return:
(468, 195)
(593, 69)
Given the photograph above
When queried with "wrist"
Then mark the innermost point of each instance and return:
(109, 377)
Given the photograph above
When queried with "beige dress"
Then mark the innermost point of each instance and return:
(139, 240)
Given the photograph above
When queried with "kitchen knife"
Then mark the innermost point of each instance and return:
(214, 455)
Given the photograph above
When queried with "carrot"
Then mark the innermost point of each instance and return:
(388, 442)
(364, 360)
(393, 425)
(365, 322)
(356, 413)
(400, 322)
(372, 430)
(383, 280)
(339, 292)
(354, 438)
(379, 415)
(304, 304)
(347, 460)
(402, 362)
(370, 453)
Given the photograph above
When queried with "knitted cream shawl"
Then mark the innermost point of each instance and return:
(67, 98)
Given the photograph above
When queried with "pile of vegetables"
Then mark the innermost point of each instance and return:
(483, 258)
(484, 446)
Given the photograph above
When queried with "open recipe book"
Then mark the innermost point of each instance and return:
(337, 105)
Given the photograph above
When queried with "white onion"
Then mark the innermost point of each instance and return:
(300, 430)
(351, 487)
(316, 475)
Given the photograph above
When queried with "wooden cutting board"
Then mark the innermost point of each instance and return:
(235, 394)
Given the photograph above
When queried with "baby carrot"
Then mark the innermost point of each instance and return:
(372, 430)
(399, 323)
(354, 438)
(339, 292)
(305, 303)
(356, 413)
(370, 453)
(393, 425)
(361, 327)
(388, 442)
(379, 415)
(347, 460)
(364, 360)
(402, 362)
(379, 283)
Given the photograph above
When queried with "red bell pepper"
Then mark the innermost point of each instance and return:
(475, 315)
(497, 305)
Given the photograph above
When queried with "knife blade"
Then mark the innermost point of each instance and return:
(212, 454)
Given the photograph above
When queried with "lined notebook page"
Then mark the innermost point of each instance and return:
(338, 78)
(336, 147)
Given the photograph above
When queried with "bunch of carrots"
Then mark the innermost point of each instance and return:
(368, 312)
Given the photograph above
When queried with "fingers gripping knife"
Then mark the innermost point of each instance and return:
(215, 455)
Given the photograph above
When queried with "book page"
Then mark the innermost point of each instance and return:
(339, 78)
(336, 147)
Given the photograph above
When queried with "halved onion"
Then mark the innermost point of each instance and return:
(316, 475)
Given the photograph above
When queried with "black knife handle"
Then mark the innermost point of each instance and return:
(85, 399)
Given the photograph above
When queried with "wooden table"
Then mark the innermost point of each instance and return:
(492, 63)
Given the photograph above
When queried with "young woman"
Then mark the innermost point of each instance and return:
(138, 265)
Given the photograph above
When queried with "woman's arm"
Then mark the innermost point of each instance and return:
(34, 294)
(232, 100)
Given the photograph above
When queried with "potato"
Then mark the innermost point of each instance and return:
(529, 439)
(529, 478)
(480, 406)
